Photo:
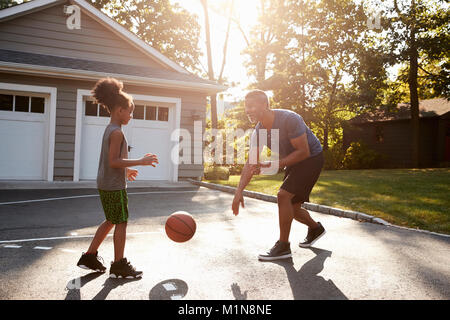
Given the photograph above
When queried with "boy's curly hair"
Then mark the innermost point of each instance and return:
(108, 92)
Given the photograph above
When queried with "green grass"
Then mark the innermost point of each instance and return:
(415, 198)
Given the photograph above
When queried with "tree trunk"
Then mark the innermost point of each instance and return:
(210, 65)
(325, 137)
(414, 97)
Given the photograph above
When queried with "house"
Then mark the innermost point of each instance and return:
(50, 129)
(389, 133)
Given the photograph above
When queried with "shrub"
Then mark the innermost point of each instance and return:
(359, 156)
(334, 157)
(216, 173)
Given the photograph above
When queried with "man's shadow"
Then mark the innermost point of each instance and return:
(306, 284)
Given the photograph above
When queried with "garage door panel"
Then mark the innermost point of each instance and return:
(22, 142)
(90, 151)
(156, 141)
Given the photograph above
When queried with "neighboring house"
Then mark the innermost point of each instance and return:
(389, 133)
(49, 127)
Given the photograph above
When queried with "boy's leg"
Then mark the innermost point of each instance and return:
(100, 235)
(303, 216)
(120, 234)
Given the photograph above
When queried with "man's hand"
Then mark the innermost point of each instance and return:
(131, 174)
(238, 199)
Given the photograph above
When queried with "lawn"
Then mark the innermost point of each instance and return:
(415, 198)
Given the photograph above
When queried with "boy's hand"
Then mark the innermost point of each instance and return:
(131, 174)
(238, 199)
(149, 160)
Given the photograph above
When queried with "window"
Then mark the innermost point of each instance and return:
(150, 113)
(6, 102)
(163, 114)
(10, 102)
(102, 111)
(91, 109)
(37, 105)
(138, 112)
(22, 104)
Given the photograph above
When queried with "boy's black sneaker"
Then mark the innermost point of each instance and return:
(124, 269)
(281, 250)
(312, 236)
(91, 261)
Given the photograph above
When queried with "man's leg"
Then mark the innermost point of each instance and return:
(285, 213)
(303, 216)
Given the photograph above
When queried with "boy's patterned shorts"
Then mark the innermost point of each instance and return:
(115, 205)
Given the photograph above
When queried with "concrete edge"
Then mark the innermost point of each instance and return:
(355, 215)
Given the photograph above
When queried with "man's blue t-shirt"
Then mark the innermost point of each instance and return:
(290, 125)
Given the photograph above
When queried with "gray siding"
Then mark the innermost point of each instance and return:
(45, 32)
(66, 117)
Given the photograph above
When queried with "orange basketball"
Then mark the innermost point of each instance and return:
(180, 226)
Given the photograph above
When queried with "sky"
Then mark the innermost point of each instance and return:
(235, 70)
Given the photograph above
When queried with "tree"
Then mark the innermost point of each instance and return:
(417, 33)
(165, 26)
(213, 98)
(10, 3)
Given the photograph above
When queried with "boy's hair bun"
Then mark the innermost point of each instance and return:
(108, 92)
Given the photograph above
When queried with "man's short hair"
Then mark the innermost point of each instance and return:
(258, 95)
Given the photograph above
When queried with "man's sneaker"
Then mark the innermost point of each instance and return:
(124, 269)
(91, 261)
(281, 250)
(312, 236)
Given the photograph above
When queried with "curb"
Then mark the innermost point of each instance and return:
(355, 215)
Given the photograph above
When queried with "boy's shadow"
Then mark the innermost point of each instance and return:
(306, 284)
(73, 286)
(111, 284)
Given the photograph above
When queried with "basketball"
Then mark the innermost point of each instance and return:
(180, 226)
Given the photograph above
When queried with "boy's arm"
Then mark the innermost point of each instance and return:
(115, 161)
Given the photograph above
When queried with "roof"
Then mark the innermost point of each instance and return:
(84, 69)
(427, 108)
(80, 68)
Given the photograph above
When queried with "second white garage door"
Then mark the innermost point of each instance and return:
(148, 132)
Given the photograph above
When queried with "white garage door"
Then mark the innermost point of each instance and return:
(147, 132)
(24, 134)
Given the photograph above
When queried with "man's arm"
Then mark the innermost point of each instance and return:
(247, 173)
(300, 153)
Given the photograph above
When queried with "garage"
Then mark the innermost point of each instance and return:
(26, 132)
(149, 131)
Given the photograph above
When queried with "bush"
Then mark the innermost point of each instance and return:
(360, 156)
(235, 169)
(333, 157)
(216, 173)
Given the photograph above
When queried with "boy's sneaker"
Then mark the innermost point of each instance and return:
(91, 261)
(281, 250)
(124, 269)
(312, 236)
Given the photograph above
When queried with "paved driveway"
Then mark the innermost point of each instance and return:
(41, 241)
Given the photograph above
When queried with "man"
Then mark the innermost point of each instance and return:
(300, 152)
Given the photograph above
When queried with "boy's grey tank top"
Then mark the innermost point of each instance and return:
(111, 178)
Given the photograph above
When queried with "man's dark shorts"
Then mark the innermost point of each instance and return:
(301, 177)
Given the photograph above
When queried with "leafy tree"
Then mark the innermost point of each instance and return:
(165, 26)
(417, 33)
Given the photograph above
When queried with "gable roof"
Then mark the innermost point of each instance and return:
(87, 69)
(427, 108)
(79, 68)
